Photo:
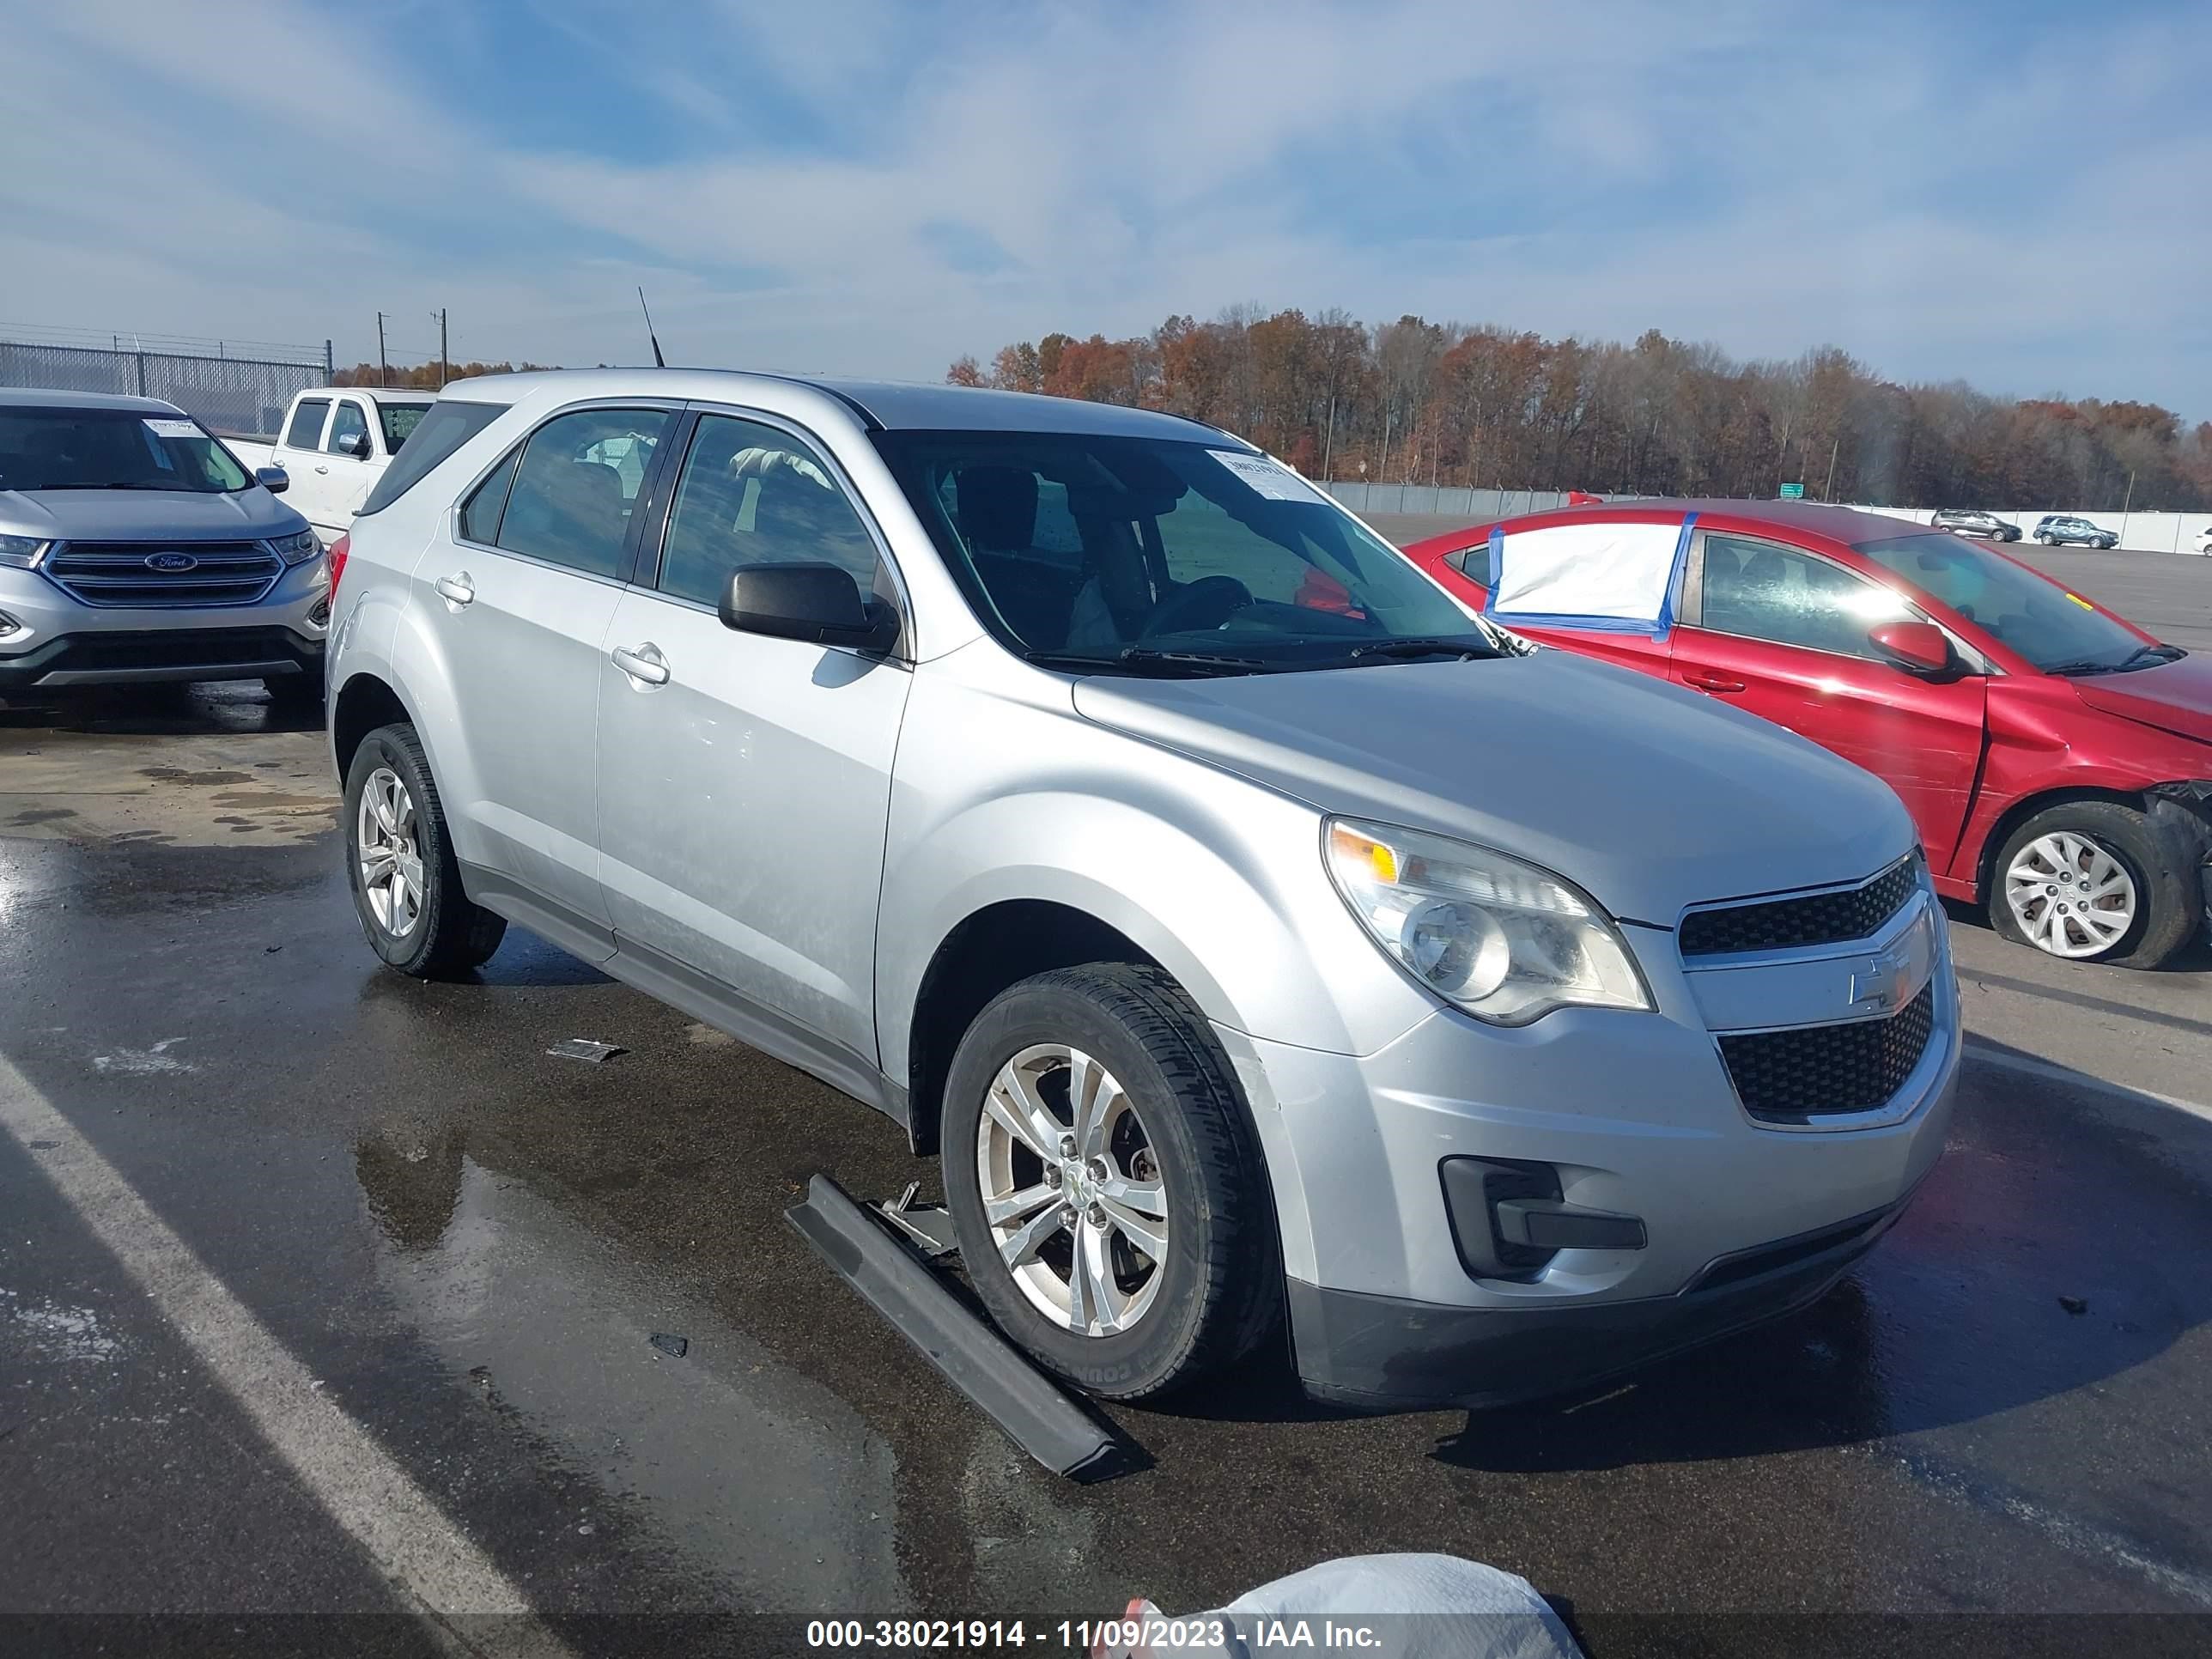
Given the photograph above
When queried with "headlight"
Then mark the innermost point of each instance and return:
(23, 552)
(1505, 940)
(296, 549)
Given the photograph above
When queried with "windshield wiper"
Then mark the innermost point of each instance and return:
(1408, 650)
(181, 490)
(2142, 656)
(1144, 658)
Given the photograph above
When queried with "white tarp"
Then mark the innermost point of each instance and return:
(1620, 573)
(1387, 1607)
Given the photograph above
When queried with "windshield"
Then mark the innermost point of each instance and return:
(111, 449)
(399, 420)
(1115, 551)
(2033, 616)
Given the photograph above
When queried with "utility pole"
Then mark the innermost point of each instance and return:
(445, 369)
(1329, 443)
(383, 364)
(1828, 490)
(2128, 502)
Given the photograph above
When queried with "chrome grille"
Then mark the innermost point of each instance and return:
(114, 575)
(1791, 923)
(1825, 1070)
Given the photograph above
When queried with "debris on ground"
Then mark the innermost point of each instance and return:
(2073, 1304)
(586, 1049)
(675, 1346)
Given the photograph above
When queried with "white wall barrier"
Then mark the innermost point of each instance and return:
(2139, 533)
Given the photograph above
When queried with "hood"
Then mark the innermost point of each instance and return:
(1647, 796)
(142, 515)
(2174, 697)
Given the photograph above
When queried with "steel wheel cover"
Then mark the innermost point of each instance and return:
(2070, 897)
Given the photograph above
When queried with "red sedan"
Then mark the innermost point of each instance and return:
(2057, 759)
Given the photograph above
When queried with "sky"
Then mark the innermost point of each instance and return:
(2013, 193)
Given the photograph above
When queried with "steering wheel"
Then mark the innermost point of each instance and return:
(1206, 603)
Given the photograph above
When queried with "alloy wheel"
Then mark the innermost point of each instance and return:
(2071, 897)
(1071, 1191)
(385, 848)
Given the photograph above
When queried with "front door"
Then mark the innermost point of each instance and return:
(521, 594)
(1782, 632)
(745, 781)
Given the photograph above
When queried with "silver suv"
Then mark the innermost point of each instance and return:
(134, 547)
(1259, 935)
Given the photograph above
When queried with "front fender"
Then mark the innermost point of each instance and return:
(1217, 878)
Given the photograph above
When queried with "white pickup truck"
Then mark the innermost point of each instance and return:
(334, 442)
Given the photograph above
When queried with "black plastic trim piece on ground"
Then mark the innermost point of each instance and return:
(906, 1290)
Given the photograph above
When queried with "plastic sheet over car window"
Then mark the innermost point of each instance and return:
(1616, 578)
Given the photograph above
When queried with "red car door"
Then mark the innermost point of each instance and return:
(1781, 632)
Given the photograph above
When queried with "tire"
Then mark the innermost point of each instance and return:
(2158, 861)
(2048, 541)
(442, 933)
(1215, 1290)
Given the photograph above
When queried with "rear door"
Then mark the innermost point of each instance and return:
(520, 586)
(299, 451)
(1781, 632)
(1472, 565)
(745, 781)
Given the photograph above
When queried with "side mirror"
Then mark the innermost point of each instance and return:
(360, 448)
(1917, 647)
(808, 600)
(274, 479)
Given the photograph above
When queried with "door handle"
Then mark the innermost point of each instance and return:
(1707, 682)
(322, 468)
(642, 663)
(456, 590)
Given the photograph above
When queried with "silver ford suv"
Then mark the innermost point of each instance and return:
(1259, 936)
(134, 547)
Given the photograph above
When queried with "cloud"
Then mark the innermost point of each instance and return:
(877, 186)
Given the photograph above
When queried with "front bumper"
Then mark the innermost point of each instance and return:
(57, 643)
(1636, 1116)
(1378, 1353)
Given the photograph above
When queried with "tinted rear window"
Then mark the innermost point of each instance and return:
(438, 435)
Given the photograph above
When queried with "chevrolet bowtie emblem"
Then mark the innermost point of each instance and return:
(1875, 987)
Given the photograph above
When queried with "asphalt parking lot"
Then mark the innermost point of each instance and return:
(264, 1207)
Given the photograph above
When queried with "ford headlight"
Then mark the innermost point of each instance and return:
(23, 552)
(296, 549)
(1505, 940)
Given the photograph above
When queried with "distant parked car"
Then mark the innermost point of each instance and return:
(2204, 539)
(135, 548)
(1975, 521)
(2057, 759)
(2057, 528)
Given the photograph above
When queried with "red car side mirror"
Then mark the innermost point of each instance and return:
(1917, 647)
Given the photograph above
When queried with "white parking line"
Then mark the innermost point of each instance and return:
(2050, 1074)
(443, 1576)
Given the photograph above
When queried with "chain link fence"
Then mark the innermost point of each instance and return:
(241, 396)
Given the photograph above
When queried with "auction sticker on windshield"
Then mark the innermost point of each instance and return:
(1271, 478)
(165, 429)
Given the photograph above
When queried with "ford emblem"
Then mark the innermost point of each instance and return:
(173, 563)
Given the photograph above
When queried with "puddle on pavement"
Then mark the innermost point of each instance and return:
(199, 766)
(762, 1476)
